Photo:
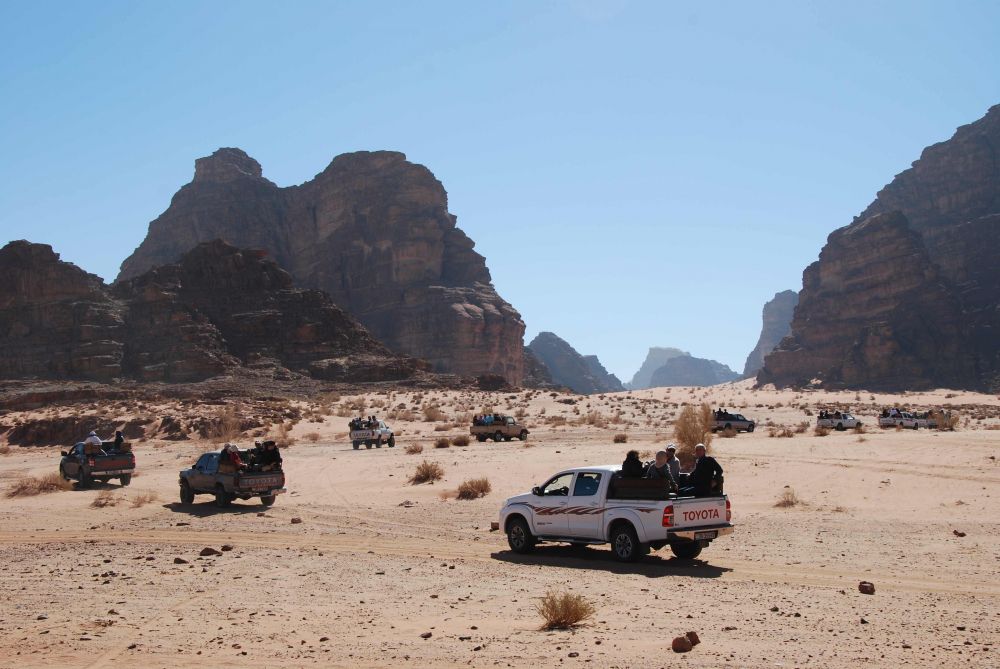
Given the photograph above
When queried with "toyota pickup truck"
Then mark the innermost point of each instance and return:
(506, 428)
(903, 419)
(732, 421)
(89, 464)
(205, 478)
(594, 505)
(374, 436)
(845, 422)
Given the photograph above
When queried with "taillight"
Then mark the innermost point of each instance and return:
(729, 512)
(668, 515)
(90, 462)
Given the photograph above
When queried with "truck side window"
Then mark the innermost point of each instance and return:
(587, 484)
(558, 487)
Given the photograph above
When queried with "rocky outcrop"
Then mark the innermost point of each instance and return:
(655, 358)
(686, 370)
(777, 323)
(536, 374)
(217, 309)
(374, 232)
(56, 321)
(581, 374)
(906, 297)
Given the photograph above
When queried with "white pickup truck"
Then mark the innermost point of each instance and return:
(375, 436)
(907, 420)
(591, 505)
(845, 422)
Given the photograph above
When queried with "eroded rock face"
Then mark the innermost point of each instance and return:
(374, 232)
(687, 370)
(655, 358)
(777, 323)
(581, 374)
(216, 309)
(907, 295)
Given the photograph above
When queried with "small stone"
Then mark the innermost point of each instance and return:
(296, 520)
(573, 654)
(324, 638)
(866, 588)
(864, 622)
(181, 524)
(42, 617)
(180, 560)
(208, 551)
(957, 533)
(774, 608)
(680, 644)
(426, 635)
(693, 638)
(226, 548)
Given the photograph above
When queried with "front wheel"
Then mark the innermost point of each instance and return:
(62, 473)
(378, 443)
(267, 500)
(625, 543)
(750, 427)
(222, 498)
(368, 445)
(687, 550)
(840, 427)
(480, 437)
(125, 479)
(519, 536)
(392, 441)
(356, 444)
(187, 495)
(523, 436)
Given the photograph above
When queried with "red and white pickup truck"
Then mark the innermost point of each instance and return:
(593, 505)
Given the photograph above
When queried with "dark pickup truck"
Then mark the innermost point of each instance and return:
(205, 478)
(88, 463)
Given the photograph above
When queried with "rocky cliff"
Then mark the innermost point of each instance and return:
(216, 309)
(581, 374)
(906, 297)
(687, 370)
(655, 358)
(374, 232)
(777, 323)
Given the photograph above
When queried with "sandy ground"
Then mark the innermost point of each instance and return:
(376, 562)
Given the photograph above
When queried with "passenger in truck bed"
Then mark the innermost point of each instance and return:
(632, 467)
(701, 480)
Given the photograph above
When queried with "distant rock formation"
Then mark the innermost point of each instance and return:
(686, 370)
(216, 309)
(655, 359)
(536, 374)
(777, 323)
(374, 232)
(581, 374)
(908, 296)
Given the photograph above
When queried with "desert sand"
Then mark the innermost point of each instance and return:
(376, 562)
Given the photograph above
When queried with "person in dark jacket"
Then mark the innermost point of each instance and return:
(705, 472)
(632, 466)
(269, 457)
(660, 469)
(119, 440)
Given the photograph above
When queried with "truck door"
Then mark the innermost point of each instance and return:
(204, 472)
(585, 513)
(550, 512)
(72, 464)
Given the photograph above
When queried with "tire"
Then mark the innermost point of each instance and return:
(915, 426)
(497, 436)
(392, 441)
(356, 444)
(750, 427)
(687, 550)
(222, 498)
(728, 427)
(378, 443)
(267, 500)
(480, 437)
(519, 536)
(840, 427)
(187, 495)
(85, 480)
(125, 479)
(625, 543)
(368, 445)
(523, 436)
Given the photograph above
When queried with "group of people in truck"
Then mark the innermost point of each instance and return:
(263, 457)
(94, 445)
(368, 423)
(488, 419)
(722, 414)
(834, 415)
(703, 480)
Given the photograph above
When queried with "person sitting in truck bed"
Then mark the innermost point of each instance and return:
(632, 467)
(706, 471)
(231, 458)
(659, 469)
(268, 458)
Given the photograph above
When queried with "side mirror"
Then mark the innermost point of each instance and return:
(536, 491)
(64, 453)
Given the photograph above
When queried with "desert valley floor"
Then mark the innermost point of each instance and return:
(375, 562)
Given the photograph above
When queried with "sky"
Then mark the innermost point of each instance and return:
(636, 173)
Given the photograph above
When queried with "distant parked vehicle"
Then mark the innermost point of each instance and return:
(731, 421)
(372, 433)
(838, 421)
(89, 463)
(903, 419)
(497, 427)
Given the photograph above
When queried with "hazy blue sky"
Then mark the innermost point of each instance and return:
(635, 173)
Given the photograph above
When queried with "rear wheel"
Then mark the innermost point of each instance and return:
(392, 441)
(356, 444)
(497, 436)
(686, 550)
(125, 479)
(523, 436)
(519, 536)
(187, 495)
(625, 543)
(368, 444)
(915, 426)
(222, 498)
(267, 500)
(480, 437)
(840, 427)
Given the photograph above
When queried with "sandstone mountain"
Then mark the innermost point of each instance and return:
(581, 374)
(777, 323)
(218, 308)
(374, 232)
(686, 370)
(655, 358)
(908, 295)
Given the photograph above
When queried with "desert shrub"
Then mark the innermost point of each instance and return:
(281, 436)
(105, 498)
(442, 442)
(427, 472)
(788, 499)
(4, 449)
(727, 434)
(312, 436)
(693, 426)
(474, 488)
(820, 431)
(226, 425)
(802, 427)
(859, 429)
(620, 438)
(563, 610)
(945, 421)
(780, 431)
(37, 485)
(433, 413)
(460, 440)
(413, 449)
(143, 498)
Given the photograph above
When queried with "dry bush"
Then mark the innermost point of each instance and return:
(442, 442)
(144, 498)
(802, 427)
(312, 436)
(433, 413)
(474, 488)
(821, 431)
(413, 449)
(426, 472)
(620, 438)
(859, 429)
(281, 437)
(225, 426)
(4, 449)
(945, 422)
(595, 418)
(105, 498)
(788, 499)
(563, 610)
(727, 434)
(37, 485)
(780, 431)
(460, 440)
(693, 426)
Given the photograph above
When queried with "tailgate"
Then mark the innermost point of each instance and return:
(261, 482)
(113, 462)
(690, 513)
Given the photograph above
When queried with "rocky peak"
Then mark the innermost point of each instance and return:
(777, 323)
(227, 165)
(581, 374)
(655, 358)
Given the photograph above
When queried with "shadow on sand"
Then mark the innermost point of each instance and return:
(586, 557)
(208, 508)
